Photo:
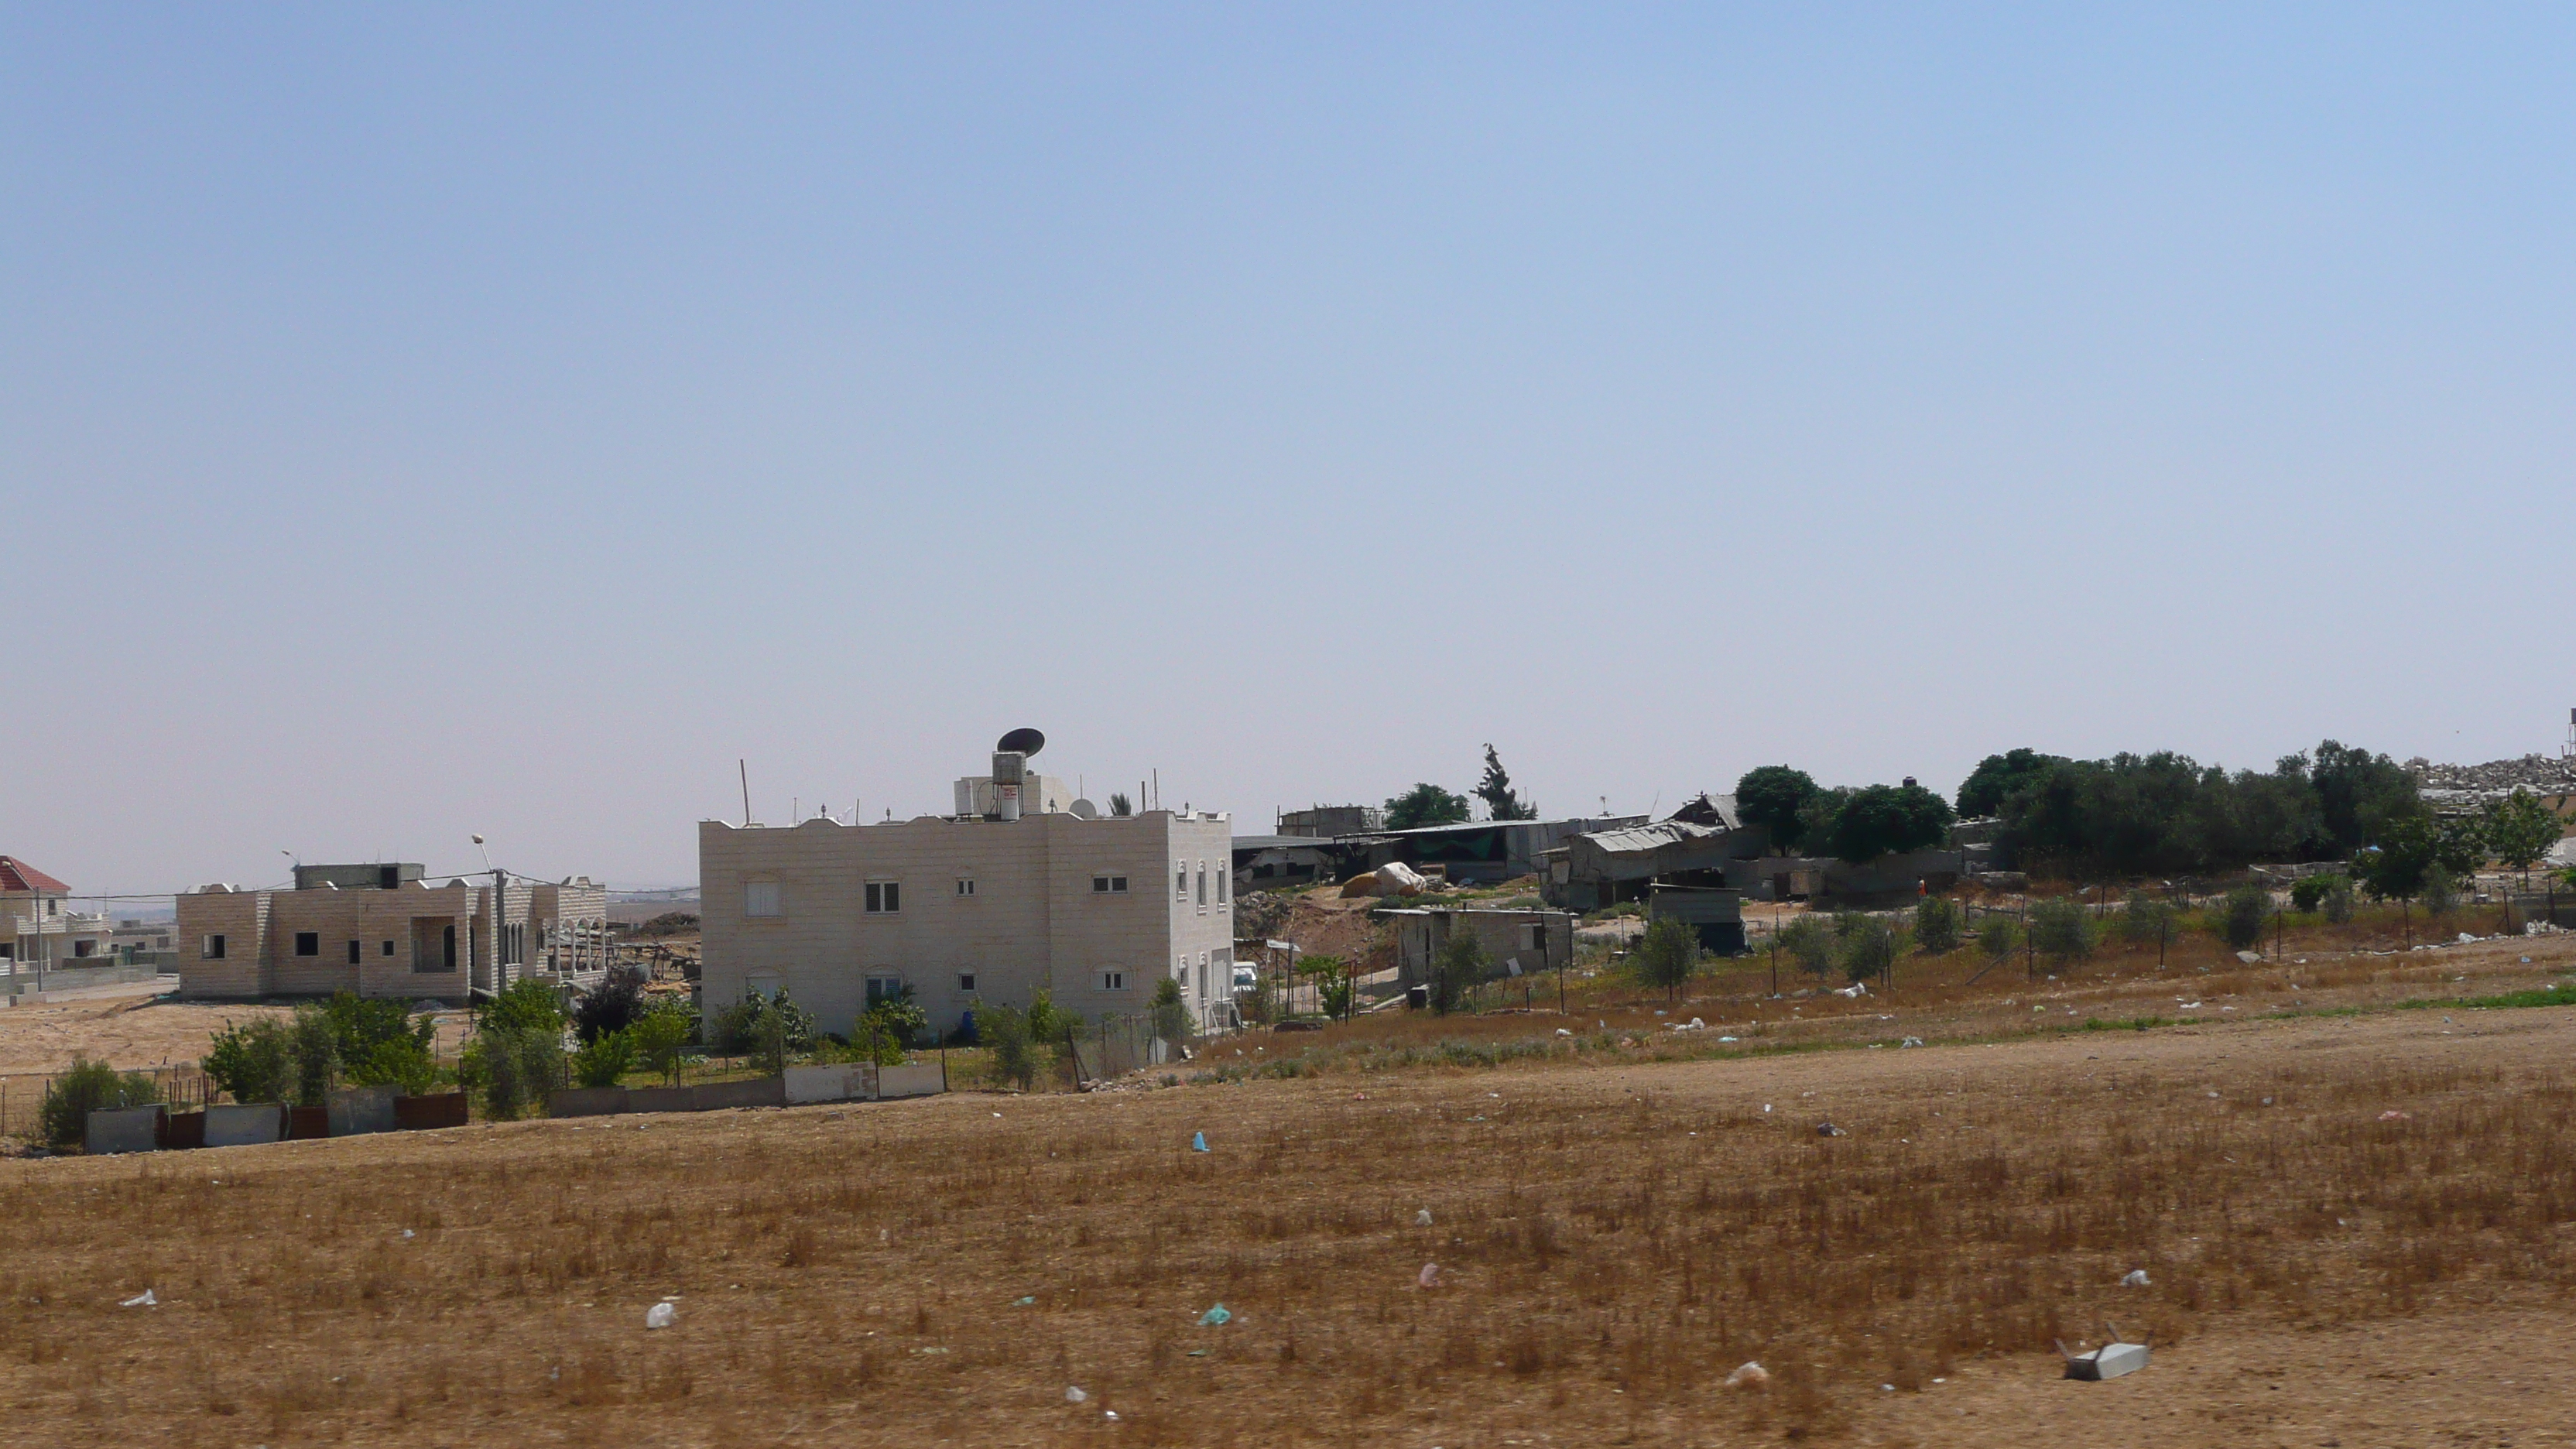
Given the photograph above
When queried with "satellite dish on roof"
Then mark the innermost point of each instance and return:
(1022, 742)
(1083, 810)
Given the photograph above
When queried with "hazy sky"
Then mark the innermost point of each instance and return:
(418, 422)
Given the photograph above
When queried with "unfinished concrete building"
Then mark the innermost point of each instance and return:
(1515, 942)
(981, 906)
(383, 931)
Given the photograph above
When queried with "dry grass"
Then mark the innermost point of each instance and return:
(1611, 1241)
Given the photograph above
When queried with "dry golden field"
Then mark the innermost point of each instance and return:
(1613, 1234)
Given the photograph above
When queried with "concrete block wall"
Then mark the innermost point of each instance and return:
(241, 918)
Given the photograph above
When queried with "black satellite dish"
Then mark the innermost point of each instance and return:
(1022, 742)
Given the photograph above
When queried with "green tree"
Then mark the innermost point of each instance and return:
(2460, 846)
(512, 1068)
(1887, 820)
(2519, 830)
(2308, 892)
(2441, 892)
(253, 1060)
(1047, 1023)
(1938, 922)
(1332, 978)
(2337, 901)
(1998, 776)
(85, 1087)
(1425, 804)
(612, 1005)
(1866, 945)
(1999, 937)
(604, 1060)
(1667, 956)
(890, 1026)
(2145, 918)
(526, 1004)
(1808, 945)
(1457, 970)
(1013, 1056)
(2393, 869)
(2061, 930)
(1774, 796)
(781, 1029)
(379, 1043)
(2242, 914)
(1495, 789)
(315, 1043)
(1171, 1015)
(662, 1034)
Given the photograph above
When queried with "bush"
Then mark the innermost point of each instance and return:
(2309, 892)
(315, 1043)
(2337, 904)
(2441, 892)
(253, 1061)
(2145, 919)
(604, 1060)
(1999, 937)
(2241, 916)
(378, 1044)
(1807, 944)
(1171, 1015)
(1047, 1024)
(88, 1087)
(1865, 944)
(526, 1004)
(1456, 971)
(2061, 930)
(1937, 925)
(611, 1006)
(1006, 1035)
(661, 1036)
(513, 1068)
(890, 1027)
(1667, 956)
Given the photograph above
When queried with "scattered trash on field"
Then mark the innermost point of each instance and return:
(2137, 1278)
(1561, 1031)
(2393, 1115)
(1024, 1302)
(1198, 1142)
(1422, 1219)
(1429, 1277)
(407, 1234)
(2109, 1361)
(1073, 1394)
(661, 1315)
(143, 1299)
(1748, 1375)
(1828, 1129)
(1215, 1317)
(1911, 1041)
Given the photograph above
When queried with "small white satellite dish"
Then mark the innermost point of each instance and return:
(1083, 810)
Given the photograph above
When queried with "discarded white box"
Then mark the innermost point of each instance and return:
(2107, 1362)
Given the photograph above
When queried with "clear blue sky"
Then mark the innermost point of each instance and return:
(415, 422)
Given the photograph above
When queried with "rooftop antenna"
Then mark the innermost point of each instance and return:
(745, 769)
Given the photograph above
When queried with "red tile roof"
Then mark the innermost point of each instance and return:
(17, 875)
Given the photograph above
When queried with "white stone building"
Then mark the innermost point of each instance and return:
(972, 909)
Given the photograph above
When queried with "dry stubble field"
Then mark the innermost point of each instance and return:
(1612, 1238)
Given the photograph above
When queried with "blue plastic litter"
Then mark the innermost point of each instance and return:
(1214, 1317)
(1198, 1142)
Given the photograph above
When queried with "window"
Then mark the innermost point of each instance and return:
(763, 983)
(1113, 980)
(1533, 937)
(884, 986)
(356, 950)
(1223, 877)
(447, 949)
(1109, 885)
(885, 897)
(388, 949)
(965, 885)
(1203, 885)
(1180, 880)
(308, 943)
(84, 948)
(966, 982)
(760, 898)
(1203, 978)
(211, 949)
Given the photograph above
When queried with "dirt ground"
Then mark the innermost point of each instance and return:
(1611, 1240)
(129, 1032)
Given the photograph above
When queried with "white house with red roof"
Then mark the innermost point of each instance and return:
(37, 924)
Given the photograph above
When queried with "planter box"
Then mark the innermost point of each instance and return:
(127, 1129)
(244, 1124)
(356, 1111)
(184, 1130)
(307, 1124)
(439, 1109)
(759, 1092)
(919, 1079)
(586, 1102)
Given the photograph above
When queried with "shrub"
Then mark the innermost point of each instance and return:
(612, 1005)
(87, 1087)
(1667, 956)
(604, 1059)
(526, 1004)
(2309, 892)
(2441, 892)
(2241, 915)
(1456, 971)
(890, 1027)
(1807, 944)
(1865, 944)
(1006, 1035)
(1048, 1024)
(661, 1036)
(1999, 937)
(512, 1068)
(1937, 925)
(2061, 930)
(253, 1061)
(315, 1043)
(1171, 1016)
(2338, 901)
(2145, 919)
(377, 1043)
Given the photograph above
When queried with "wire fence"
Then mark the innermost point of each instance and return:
(22, 1095)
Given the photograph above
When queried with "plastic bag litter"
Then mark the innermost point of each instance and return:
(1073, 1394)
(1024, 1302)
(1215, 1317)
(2137, 1278)
(1911, 1041)
(1422, 1219)
(2393, 1115)
(1429, 1277)
(1828, 1129)
(1748, 1375)
(143, 1299)
(661, 1315)
(1198, 1142)
(1561, 1031)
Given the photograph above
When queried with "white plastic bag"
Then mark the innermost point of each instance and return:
(661, 1315)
